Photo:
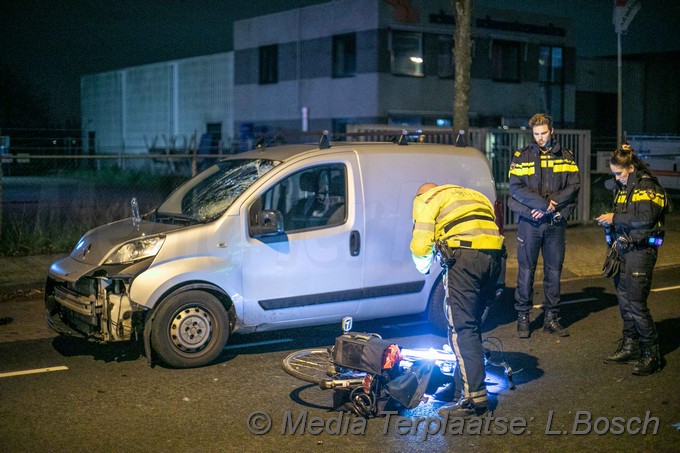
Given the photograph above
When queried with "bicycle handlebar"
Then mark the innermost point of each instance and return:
(329, 384)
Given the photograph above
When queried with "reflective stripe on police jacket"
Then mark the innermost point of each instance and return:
(460, 216)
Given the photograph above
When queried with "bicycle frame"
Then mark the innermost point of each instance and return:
(317, 366)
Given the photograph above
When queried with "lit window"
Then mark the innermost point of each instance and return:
(407, 53)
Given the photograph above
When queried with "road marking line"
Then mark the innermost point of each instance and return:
(36, 371)
(668, 288)
(258, 343)
(575, 301)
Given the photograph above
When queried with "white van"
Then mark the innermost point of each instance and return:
(273, 238)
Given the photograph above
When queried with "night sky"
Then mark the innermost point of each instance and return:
(50, 44)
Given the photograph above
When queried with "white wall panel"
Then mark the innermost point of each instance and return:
(101, 107)
(137, 107)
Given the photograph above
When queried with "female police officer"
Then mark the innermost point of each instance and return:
(637, 222)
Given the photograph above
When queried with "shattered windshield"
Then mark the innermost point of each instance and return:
(206, 196)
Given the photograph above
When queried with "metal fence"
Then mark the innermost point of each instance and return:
(499, 146)
(52, 155)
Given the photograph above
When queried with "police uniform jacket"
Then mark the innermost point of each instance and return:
(528, 188)
(458, 216)
(639, 207)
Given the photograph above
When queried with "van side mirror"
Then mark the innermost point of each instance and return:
(267, 223)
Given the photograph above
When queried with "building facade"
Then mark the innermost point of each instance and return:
(173, 105)
(376, 61)
(353, 62)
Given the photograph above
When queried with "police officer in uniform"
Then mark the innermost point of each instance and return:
(544, 186)
(636, 227)
(463, 221)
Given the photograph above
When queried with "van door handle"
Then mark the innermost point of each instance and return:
(354, 243)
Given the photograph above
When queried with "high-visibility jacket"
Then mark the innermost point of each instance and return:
(537, 177)
(461, 217)
(640, 207)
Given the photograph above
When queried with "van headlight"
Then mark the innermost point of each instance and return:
(136, 250)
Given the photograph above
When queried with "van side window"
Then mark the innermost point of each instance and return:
(312, 198)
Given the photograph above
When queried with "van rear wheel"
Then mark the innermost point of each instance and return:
(436, 311)
(190, 329)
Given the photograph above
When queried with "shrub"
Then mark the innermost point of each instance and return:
(75, 204)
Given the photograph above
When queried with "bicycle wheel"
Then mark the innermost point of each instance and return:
(309, 365)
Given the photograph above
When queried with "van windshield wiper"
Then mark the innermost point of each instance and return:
(174, 219)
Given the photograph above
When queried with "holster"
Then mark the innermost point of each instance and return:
(612, 263)
(444, 254)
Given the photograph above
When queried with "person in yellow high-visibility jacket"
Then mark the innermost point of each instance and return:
(462, 220)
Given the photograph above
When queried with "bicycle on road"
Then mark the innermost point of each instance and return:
(369, 374)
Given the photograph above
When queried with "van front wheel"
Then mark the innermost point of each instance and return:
(190, 329)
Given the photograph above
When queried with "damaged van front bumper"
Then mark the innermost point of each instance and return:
(93, 302)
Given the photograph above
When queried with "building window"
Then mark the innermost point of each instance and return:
(551, 80)
(339, 128)
(407, 53)
(269, 64)
(405, 120)
(445, 60)
(505, 61)
(215, 131)
(345, 55)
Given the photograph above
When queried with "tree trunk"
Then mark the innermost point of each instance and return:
(1, 164)
(463, 62)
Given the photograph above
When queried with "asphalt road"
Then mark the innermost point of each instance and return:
(107, 398)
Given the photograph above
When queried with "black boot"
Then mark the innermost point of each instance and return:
(627, 352)
(650, 362)
(552, 326)
(523, 329)
(464, 408)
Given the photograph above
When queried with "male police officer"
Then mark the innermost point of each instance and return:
(544, 185)
(464, 221)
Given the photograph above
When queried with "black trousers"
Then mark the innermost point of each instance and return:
(471, 281)
(632, 288)
(550, 240)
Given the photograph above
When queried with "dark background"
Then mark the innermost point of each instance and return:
(47, 45)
